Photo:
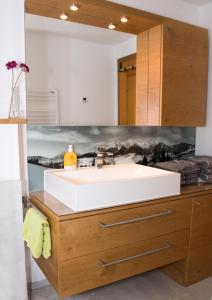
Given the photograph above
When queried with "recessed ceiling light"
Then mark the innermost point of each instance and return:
(111, 26)
(74, 7)
(124, 19)
(63, 16)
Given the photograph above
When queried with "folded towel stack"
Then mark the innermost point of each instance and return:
(205, 164)
(189, 170)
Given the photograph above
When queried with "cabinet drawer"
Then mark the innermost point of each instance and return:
(104, 231)
(88, 272)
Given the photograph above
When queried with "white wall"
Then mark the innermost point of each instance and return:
(204, 135)
(12, 257)
(12, 48)
(9, 153)
(77, 69)
(126, 48)
(37, 59)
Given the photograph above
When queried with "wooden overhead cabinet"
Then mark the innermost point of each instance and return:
(172, 75)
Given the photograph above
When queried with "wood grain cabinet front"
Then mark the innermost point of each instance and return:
(100, 247)
(172, 75)
(91, 234)
(100, 268)
(198, 264)
(96, 248)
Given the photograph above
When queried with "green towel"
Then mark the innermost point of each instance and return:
(36, 232)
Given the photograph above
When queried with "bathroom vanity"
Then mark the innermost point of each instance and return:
(94, 248)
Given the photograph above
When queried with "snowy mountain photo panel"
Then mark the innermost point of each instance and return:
(143, 145)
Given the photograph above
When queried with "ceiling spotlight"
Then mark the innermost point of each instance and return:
(124, 19)
(74, 7)
(111, 26)
(63, 16)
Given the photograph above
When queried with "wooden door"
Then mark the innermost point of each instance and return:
(127, 90)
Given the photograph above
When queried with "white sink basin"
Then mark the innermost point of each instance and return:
(90, 188)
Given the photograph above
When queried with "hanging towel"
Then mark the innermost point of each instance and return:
(36, 233)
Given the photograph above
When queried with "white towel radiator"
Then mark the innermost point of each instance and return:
(43, 107)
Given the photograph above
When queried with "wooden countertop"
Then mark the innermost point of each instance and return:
(44, 201)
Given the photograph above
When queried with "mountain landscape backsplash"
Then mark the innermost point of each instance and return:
(122, 154)
(142, 145)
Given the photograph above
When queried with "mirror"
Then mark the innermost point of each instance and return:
(79, 74)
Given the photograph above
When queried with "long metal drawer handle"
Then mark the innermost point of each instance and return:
(166, 212)
(119, 261)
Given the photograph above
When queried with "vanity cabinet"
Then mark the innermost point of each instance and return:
(95, 248)
(198, 264)
(99, 247)
(172, 75)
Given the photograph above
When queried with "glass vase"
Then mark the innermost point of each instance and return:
(15, 110)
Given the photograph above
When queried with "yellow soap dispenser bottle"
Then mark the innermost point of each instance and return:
(70, 159)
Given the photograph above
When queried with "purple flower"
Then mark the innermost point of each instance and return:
(11, 65)
(24, 68)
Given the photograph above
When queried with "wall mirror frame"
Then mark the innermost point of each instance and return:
(171, 60)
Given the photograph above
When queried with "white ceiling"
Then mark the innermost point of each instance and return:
(75, 30)
(198, 2)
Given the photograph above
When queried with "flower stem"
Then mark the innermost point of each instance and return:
(14, 84)
(11, 100)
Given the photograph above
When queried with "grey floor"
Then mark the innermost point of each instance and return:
(149, 286)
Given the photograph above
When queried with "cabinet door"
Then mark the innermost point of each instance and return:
(148, 77)
(200, 254)
(184, 75)
(198, 264)
(172, 73)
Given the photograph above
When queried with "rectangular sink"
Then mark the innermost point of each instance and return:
(90, 188)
